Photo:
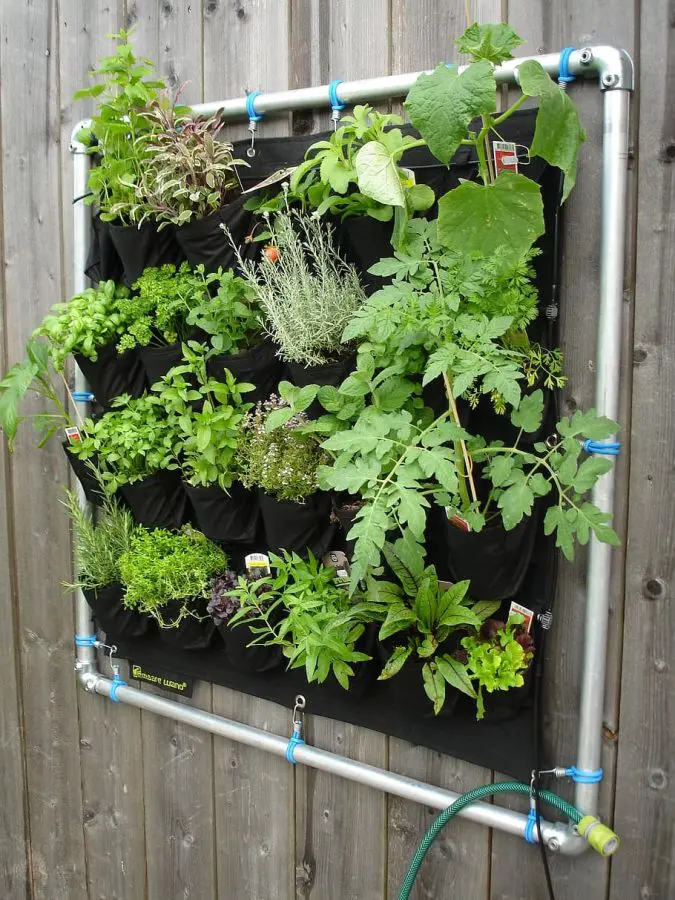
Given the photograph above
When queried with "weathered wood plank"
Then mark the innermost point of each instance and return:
(254, 801)
(516, 869)
(457, 865)
(29, 72)
(143, 18)
(246, 49)
(645, 800)
(179, 815)
(180, 48)
(340, 825)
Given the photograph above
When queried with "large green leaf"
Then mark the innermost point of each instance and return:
(442, 105)
(504, 217)
(378, 174)
(558, 134)
(493, 42)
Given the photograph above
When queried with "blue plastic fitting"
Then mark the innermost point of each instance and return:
(584, 776)
(335, 102)
(85, 640)
(296, 740)
(83, 396)
(564, 73)
(530, 827)
(605, 448)
(117, 683)
(253, 116)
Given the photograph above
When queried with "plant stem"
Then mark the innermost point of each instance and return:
(509, 112)
(488, 147)
(482, 159)
(465, 466)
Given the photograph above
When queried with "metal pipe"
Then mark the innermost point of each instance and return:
(615, 74)
(612, 66)
(558, 836)
(608, 361)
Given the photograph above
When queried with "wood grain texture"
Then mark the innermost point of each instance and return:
(246, 49)
(180, 48)
(457, 864)
(340, 825)
(254, 805)
(179, 814)
(645, 801)
(29, 73)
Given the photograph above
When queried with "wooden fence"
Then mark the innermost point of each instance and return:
(100, 801)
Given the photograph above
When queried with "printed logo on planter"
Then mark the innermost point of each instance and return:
(175, 684)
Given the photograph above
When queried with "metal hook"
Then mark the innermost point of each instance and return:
(300, 703)
(252, 127)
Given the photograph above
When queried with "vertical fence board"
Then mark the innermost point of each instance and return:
(179, 818)
(180, 48)
(31, 206)
(645, 802)
(254, 804)
(246, 49)
(516, 868)
(340, 825)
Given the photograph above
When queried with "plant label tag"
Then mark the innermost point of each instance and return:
(506, 157)
(336, 559)
(515, 609)
(457, 521)
(167, 681)
(407, 177)
(274, 178)
(257, 566)
(73, 435)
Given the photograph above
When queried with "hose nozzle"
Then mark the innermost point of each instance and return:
(600, 837)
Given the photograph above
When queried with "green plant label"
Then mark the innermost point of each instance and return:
(167, 681)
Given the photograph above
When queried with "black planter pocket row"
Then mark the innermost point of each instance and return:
(158, 501)
(192, 632)
(298, 527)
(84, 475)
(141, 248)
(230, 517)
(204, 242)
(112, 373)
(107, 605)
(158, 360)
(245, 658)
(259, 366)
(332, 374)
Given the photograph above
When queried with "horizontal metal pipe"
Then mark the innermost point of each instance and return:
(558, 836)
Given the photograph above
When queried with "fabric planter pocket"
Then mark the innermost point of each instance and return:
(90, 486)
(297, 526)
(141, 248)
(107, 605)
(191, 634)
(259, 366)
(158, 360)
(203, 241)
(157, 501)
(500, 706)
(332, 374)
(365, 673)
(406, 688)
(103, 262)
(228, 517)
(345, 516)
(112, 373)
(243, 658)
(495, 561)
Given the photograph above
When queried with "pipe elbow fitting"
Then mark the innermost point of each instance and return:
(614, 66)
(76, 144)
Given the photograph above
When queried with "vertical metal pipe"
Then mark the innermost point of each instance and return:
(614, 200)
(81, 232)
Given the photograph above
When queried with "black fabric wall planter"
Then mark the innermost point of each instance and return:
(81, 470)
(103, 262)
(203, 241)
(408, 684)
(141, 248)
(112, 373)
(259, 366)
(495, 561)
(191, 634)
(230, 518)
(157, 501)
(345, 516)
(331, 374)
(243, 658)
(298, 526)
(158, 360)
(113, 617)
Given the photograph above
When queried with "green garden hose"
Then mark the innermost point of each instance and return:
(599, 836)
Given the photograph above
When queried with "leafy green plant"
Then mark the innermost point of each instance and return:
(232, 319)
(496, 657)
(206, 416)
(162, 566)
(322, 625)
(87, 322)
(308, 293)
(35, 375)
(425, 615)
(284, 462)
(159, 313)
(133, 440)
(99, 544)
(121, 128)
(189, 172)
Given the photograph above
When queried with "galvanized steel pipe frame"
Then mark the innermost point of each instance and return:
(613, 69)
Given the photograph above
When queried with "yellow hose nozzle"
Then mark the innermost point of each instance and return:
(600, 837)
